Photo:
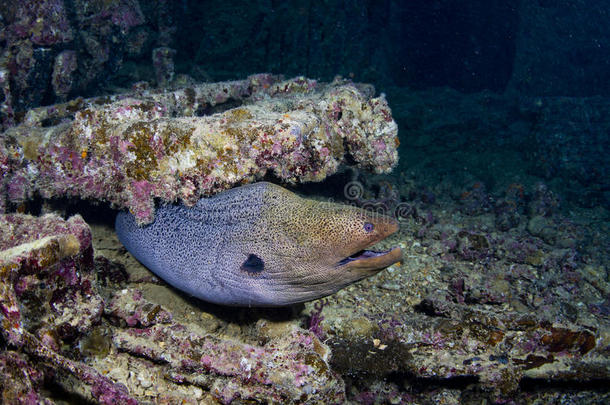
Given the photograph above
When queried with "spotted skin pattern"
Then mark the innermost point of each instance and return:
(258, 245)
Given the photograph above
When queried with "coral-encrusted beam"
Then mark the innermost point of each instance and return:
(196, 141)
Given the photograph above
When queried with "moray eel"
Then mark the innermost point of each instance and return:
(260, 245)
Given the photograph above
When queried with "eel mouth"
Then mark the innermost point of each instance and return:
(370, 261)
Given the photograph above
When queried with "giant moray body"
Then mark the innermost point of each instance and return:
(260, 245)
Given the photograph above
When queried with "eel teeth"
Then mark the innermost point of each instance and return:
(363, 254)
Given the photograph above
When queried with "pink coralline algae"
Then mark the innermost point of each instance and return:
(129, 149)
(54, 28)
(129, 306)
(124, 13)
(46, 301)
(33, 32)
(289, 369)
(52, 48)
(25, 383)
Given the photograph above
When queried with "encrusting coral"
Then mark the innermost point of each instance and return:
(129, 149)
(46, 301)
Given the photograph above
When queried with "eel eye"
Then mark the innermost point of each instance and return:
(368, 227)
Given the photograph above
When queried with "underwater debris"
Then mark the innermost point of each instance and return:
(48, 301)
(52, 49)
(131, 148)
(287, 369)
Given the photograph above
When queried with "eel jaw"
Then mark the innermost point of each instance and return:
(368, 262)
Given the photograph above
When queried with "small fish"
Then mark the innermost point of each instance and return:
(260, 245)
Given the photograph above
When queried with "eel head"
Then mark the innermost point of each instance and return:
(322, 247)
